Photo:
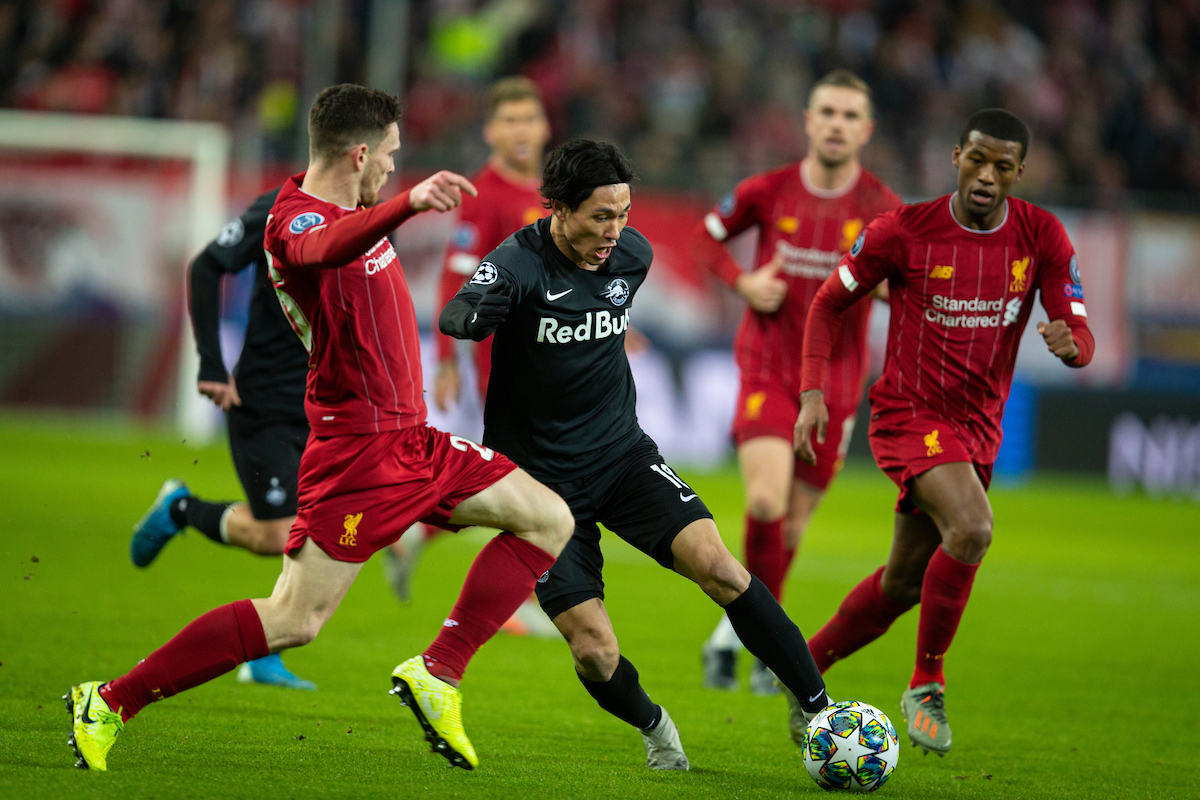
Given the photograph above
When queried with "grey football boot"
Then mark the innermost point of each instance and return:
(924, 709)
(663, 748)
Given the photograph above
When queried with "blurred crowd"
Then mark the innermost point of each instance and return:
(699, 92)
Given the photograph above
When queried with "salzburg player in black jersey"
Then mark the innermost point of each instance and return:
(264, 402)
(561, 404)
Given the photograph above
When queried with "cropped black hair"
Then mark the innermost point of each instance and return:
(346, 115)
(1000, 124)
(574, 169)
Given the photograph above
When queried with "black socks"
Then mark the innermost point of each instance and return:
(201, 515)
(623, 697)
(767, 632)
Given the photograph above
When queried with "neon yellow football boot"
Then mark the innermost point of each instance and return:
(94, 726)
(438, 707)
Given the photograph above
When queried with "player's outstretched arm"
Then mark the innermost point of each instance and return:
(348, 237)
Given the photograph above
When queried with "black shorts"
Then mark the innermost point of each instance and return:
(266, 454)
(640, 499)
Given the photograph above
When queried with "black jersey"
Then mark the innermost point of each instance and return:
(561, 401)
(273, 367)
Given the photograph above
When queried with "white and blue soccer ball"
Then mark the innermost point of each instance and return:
(851, 747)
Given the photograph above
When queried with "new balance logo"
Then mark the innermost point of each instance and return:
(553, 297)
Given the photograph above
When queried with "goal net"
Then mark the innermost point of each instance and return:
(98, 219)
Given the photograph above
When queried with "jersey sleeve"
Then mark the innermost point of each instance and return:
(733, 215)
(300, 238)
(875, 256)
(464, 252)
(237, 246)
(1061, 289)
(501, 268)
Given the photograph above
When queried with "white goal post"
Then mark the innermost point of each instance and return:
(203, 146)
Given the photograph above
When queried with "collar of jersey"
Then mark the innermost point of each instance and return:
(323, 200)
(829, 194)
(950, 207)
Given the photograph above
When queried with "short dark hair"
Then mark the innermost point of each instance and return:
(510, 90)
(347, 114)
(574, 169)
(1000, 124)
(844, 79)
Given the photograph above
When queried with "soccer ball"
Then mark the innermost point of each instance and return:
(850, 746)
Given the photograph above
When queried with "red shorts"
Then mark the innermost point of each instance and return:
(768, 409)
(906, 446)
(358, 494)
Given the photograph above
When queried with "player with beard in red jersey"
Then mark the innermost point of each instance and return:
(962, 272)
(517, 131)
(371, 467)
(807, 215)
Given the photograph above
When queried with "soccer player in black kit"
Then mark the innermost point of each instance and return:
(264, 401)
(561, 404)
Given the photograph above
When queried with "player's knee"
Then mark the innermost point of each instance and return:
(560, 526)
(970, 538)
(596, 654)
(721, 576)
(904, 589)
(271, 535)
(763, 505)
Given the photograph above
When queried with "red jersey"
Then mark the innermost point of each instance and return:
(811, 229)
(503, 207)
(960, 299)
(353, 314)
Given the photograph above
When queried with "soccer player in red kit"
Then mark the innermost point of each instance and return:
(962, 272)
(807, 215)
(372, 466)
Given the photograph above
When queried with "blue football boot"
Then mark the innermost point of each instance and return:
(156, 527)
(270, 671)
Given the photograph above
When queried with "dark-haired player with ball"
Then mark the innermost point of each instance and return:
(962, 272)
(561, 404)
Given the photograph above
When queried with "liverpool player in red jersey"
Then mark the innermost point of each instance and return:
(962, 272)
(807, 215)
(372, 466)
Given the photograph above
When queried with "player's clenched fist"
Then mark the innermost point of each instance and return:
(763, 289)
(813, 416)
(441, 191)
(488, 313)
(1058, 339)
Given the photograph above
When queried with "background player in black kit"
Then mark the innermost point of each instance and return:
(264, 401)
(561, 404)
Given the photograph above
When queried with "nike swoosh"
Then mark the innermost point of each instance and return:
(87, 717)
(688, 498)
(553, 297)
(813, 699)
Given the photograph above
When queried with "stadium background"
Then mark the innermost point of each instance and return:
(95, 234)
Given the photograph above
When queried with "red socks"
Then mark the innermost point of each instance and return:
(863, 617)
(500, 579)
(766, 558)
(210, 646)
(944, 594)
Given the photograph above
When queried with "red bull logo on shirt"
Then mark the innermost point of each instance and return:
(598, 325)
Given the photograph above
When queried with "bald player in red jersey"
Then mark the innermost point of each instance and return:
(371, 466)
(962, 272)
(517, 132)
(807, 215)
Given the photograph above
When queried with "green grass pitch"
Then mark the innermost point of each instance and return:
(1074, 673)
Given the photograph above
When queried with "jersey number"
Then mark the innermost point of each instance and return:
(669, 474)
(459, 443)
